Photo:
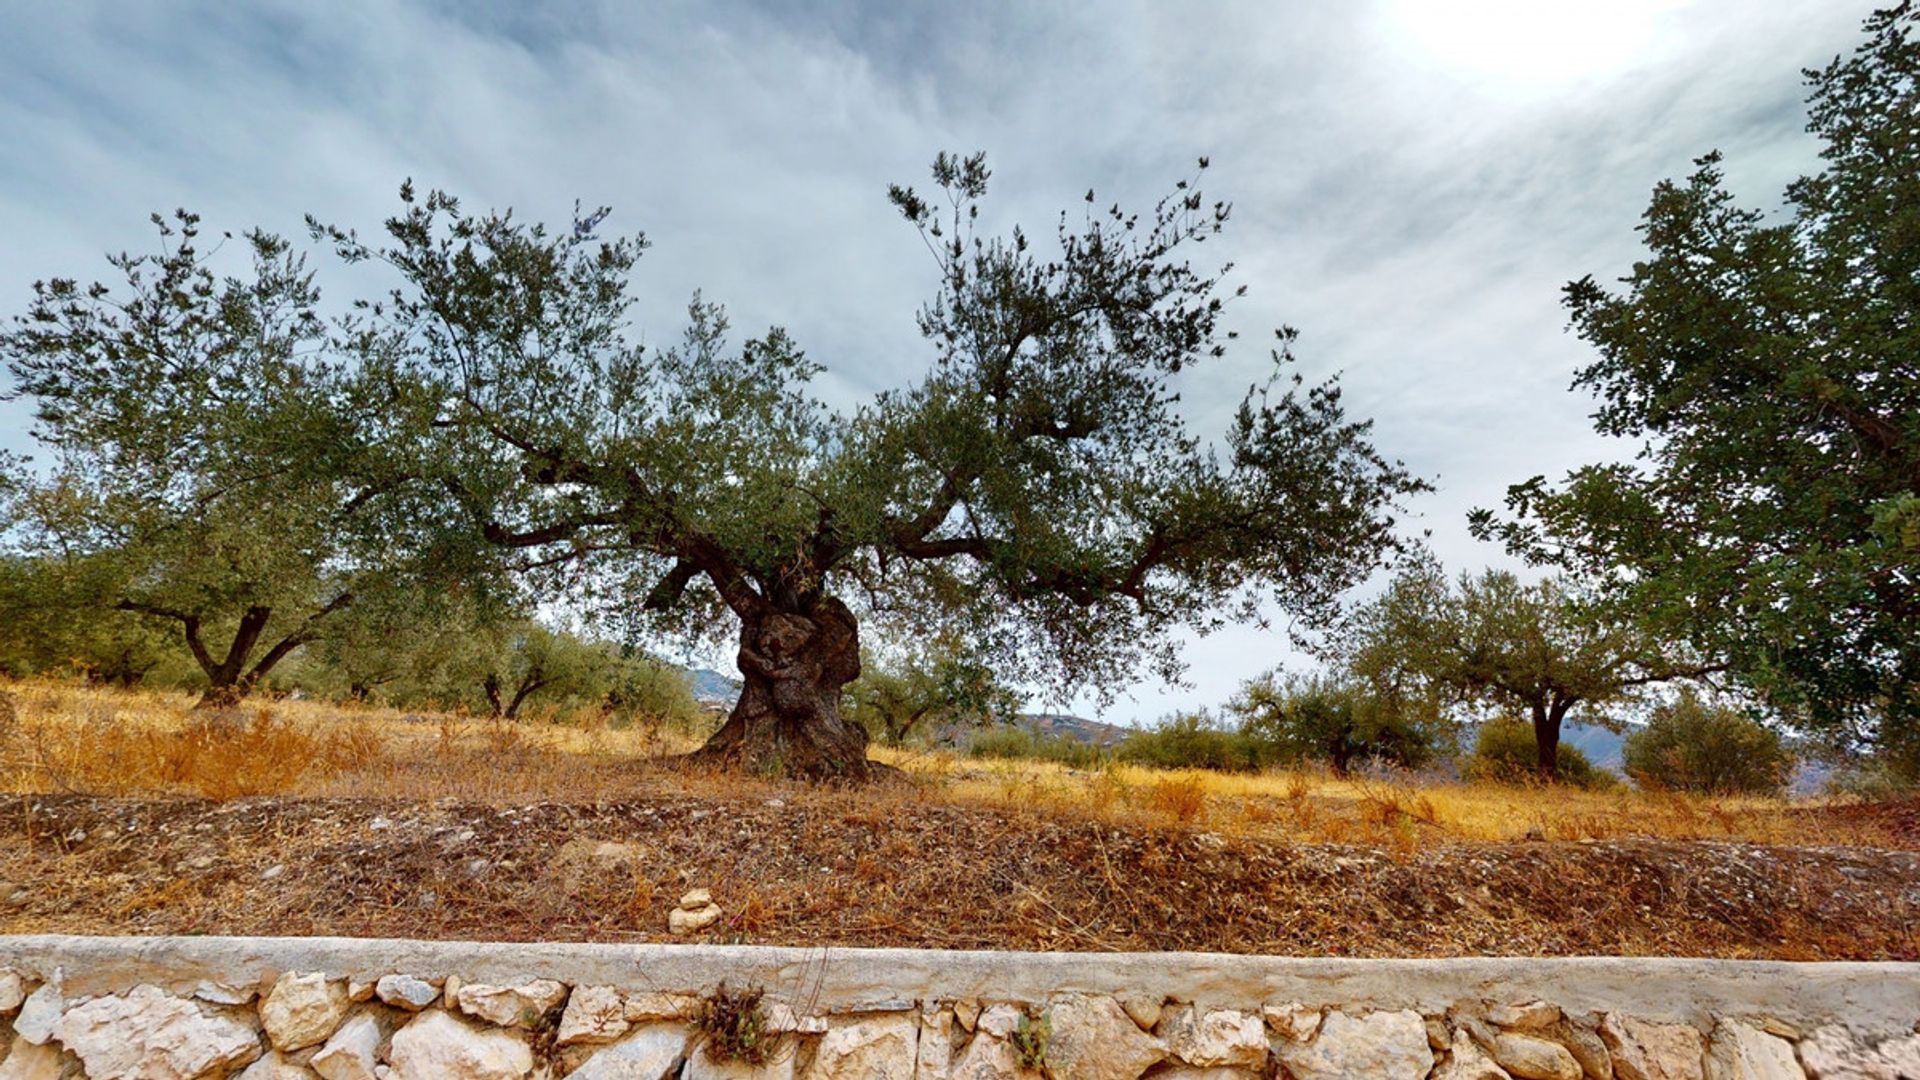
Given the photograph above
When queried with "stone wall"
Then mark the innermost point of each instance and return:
(285, 1008)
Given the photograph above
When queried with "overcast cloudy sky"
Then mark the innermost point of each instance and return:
(1413, 180)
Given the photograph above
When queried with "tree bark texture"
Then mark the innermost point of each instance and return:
(787, 721)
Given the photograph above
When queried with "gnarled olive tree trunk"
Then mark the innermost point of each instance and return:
(787, 721)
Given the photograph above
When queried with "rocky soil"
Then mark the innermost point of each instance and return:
(826, 869)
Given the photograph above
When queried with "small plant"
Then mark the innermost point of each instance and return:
(733, 1025)
(1182, 799)
(1030, 1042)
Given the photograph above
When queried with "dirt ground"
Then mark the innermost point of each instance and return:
(790, 866)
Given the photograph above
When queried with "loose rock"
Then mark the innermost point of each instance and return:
(683, 921)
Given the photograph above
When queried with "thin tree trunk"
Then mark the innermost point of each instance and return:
(787, 721)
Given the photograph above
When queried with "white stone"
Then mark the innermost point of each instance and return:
(933, 1055)
(148, 1034)
(353, 1051)
(510, 1006)
(13, 990)
(1741, 1052)
(1145, 1011)
(1644, 1051)
(595, 1014)
(990, 1057)
(1219, 1037)
(783, 1020)
(695, 899)
(359, 991)
(684, 921)
(218, 993)
(1000, 1021)
(1194, 1072)
(869, 1048)
(436, 1046)
(652, 1052)
(28, 1061)
(1834, 1051)
(406, 992)
(1534, 1058)
(966, 1013)
(1466, 1061)
(276, 1067)
(1091, 1038)
(1588, 1048)
(302, 1010)
(1387, 1045)
(1292, 1020)
(40, 1012)
(702, 1065)
(1529, 1016)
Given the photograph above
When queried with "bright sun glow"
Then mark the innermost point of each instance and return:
(1528, 44)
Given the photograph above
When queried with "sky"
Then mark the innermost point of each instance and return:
(1412, 180)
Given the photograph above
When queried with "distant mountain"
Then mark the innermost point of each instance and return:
(1074, 727)
(712, 688)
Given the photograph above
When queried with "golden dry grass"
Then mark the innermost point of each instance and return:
(89, 740)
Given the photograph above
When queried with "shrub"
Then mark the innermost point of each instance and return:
(1505, 752)
(1693, 745)
(1013, 741)
(1192, 741)
(733, 1025)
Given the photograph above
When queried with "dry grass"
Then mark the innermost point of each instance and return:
(130, 813)
(94, 741)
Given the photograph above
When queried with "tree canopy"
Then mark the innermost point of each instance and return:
(213, 465)
(1038, 490)
(1769, 366)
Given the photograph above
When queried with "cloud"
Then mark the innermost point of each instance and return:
(1412, 213)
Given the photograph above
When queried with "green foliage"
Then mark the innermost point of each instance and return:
(1770, 367)
(59, 619)
(1291, 718)
(936, 684)
(1030, 1041)
(732, 1025)
(1014, 741)
(1690, 744)
(1037, 491)
(213, 461)
(1505, 752)
(1193, 741)
(1491, 642)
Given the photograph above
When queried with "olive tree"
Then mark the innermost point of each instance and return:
(1036, 488)
(1768, 363)
(208, 456)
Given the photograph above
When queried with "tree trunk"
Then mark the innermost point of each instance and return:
(788, 722)
(1546, 735)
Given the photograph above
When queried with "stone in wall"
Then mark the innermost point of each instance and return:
(1388, 1045)
(302, 1010)
(148, 1034)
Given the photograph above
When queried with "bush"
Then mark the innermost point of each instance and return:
(1505, 752)
(1013, 741)
(1692, 745)
(1192, 741)
(1289, 718)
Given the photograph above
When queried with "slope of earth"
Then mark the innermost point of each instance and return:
(822, 868)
